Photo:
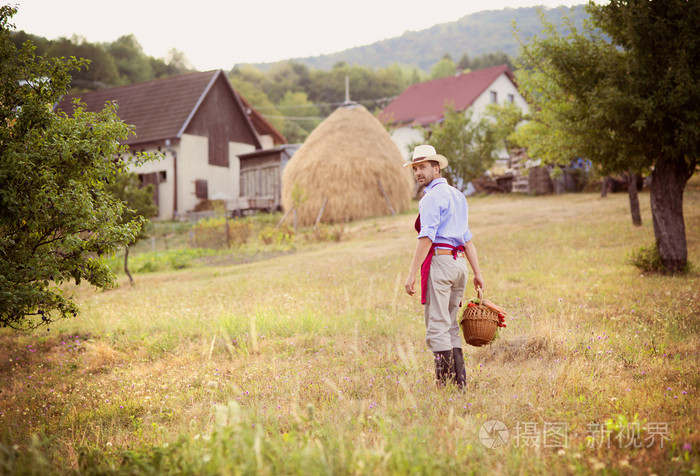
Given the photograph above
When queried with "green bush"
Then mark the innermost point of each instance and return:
(648, 259)
(279, 236)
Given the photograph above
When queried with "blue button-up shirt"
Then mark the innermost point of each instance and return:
(444, 214)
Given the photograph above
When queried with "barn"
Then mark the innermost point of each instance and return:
(199, 126)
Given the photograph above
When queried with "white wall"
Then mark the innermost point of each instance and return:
(403, 137)
(165, 188)
(223, 183)
(192, 164)
(502, 86)
(266, 141)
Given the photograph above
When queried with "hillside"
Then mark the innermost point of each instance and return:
(475, 34)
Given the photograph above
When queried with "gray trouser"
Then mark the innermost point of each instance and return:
(446, 284)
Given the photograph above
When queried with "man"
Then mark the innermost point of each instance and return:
(443, 249)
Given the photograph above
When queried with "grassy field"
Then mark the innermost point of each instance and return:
(309, 358)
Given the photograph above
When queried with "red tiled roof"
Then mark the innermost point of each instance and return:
(424, 103)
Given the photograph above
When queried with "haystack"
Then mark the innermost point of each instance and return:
(350, 164)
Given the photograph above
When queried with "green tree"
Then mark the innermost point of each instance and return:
(283, 77)
(301, 116)
(469, 145)
(444, 68)
(173, 64)
(132, 63)
(505, 120)
(259, 100)
(102, 70)
(488, 60)
(56, 217)
(40, 43)
(464, 63)
(624, 93)
(367, 87)
(139, 207)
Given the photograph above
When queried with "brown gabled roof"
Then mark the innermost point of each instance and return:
(160, 109)
(424, 103)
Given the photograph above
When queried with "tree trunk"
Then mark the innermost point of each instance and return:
(126, 263)
(667, 184)
(634, 198)
(604, 188)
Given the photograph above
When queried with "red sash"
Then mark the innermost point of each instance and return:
(425, 267)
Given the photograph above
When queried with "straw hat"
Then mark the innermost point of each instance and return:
(425, 153)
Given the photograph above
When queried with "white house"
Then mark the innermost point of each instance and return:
(199, 125)
(423, 104)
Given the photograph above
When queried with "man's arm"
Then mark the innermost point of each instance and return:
(474, 263)
(422, 249)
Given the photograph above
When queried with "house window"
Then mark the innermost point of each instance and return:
(511, 98)
(162, 176)
(201, 189)
(494, 97)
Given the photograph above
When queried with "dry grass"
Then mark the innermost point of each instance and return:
(314, 362)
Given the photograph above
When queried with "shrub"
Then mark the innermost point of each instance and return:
(239, 232)
(648, 259)
(279, 236)
(323, 233)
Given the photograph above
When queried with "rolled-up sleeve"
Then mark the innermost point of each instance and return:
(429, 210)
(468, 235)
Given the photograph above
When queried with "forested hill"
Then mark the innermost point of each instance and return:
(475, 35)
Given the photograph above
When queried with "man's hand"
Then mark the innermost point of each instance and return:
(410, 285)
(478, 282)
(422, 248)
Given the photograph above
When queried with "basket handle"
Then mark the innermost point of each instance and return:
(480, 294)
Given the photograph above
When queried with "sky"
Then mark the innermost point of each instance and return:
(217, 34)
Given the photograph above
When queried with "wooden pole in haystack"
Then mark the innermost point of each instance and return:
(388, 202)
(320, 213)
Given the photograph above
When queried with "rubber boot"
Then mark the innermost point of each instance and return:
(444, 362)
(460, 373)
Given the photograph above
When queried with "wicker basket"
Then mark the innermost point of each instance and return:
(479, 324)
